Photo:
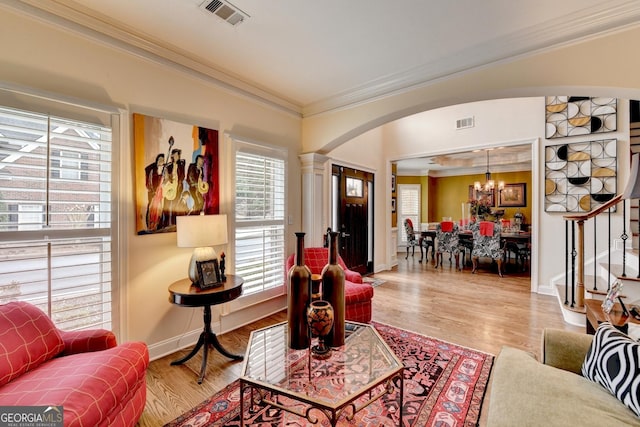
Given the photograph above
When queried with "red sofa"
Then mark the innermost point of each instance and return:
(357, 294)
(97, 382)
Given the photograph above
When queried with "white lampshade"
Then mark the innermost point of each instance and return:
(632, 190)
(201, 232)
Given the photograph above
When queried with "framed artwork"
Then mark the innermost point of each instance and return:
(580, 176)
(209, 273)
(393, 204)
(513, 196)
(487, 197)
(579, 115)
(176, 172)
(393, 183)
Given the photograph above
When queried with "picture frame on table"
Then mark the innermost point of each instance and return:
(612, 296)
(209, 274)
(513, 196)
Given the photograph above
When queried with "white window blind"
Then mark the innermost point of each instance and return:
(408, 207)
(260, 217)
(55, 217)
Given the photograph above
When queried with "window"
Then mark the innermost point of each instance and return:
(55, 217)
(408, 207)
(354, 187)
(260, 218)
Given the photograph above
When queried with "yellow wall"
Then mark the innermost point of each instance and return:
(449, 193)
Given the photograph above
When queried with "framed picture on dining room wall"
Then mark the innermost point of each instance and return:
(513, 196)
(485, 196)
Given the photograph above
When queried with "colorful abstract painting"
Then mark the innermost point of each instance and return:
(581, 176)
(176, 170)
(579, 115)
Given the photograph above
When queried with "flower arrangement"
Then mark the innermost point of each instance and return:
(480, 207)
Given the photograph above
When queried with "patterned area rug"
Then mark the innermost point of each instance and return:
(444, 386)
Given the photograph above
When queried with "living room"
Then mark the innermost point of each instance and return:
(45, 62)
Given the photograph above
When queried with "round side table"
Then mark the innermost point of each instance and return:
(185, 294)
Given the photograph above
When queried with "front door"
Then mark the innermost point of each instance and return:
(352, 217)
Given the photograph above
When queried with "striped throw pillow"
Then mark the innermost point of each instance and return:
(613, 361)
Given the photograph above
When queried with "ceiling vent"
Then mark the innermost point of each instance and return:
(225, 11)
(465, 123)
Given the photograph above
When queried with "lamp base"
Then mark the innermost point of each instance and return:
(206, 253)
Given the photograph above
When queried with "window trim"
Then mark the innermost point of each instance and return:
(402, 236)
(54, 104)
(260, 148)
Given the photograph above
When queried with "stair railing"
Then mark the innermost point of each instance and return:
(574, 250)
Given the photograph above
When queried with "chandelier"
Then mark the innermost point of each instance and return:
(489, 183)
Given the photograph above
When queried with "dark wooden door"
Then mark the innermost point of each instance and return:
(354, 218)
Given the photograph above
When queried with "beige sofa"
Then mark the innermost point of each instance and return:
(525, 392)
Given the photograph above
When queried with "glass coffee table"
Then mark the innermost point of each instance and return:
(350, 379)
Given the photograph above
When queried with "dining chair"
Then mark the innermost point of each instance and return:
(447, 237)
(521, 253)
(412, 242)
(486, 243)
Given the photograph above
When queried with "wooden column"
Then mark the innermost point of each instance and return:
(580, 262)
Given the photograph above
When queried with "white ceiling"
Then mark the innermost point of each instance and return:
(500, 159)
(313, 56)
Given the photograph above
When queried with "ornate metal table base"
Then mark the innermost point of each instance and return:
(264, 397)
(355, 375)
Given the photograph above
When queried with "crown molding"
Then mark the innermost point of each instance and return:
(69, 16)
(606, 18)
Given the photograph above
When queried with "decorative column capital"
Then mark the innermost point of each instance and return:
(311, 162)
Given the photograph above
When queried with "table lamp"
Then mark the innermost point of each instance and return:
(201, 232)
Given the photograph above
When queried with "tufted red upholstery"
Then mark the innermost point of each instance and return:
(357, 294)
(97, 382)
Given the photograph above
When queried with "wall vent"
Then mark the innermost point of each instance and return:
(465, 123)
(225, 11)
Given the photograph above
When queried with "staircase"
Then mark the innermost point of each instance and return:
(596, 286)
(620, 260)
(592, 278)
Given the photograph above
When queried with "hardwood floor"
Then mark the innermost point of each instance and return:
(480, 311)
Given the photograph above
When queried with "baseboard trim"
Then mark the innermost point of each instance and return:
(173, 344)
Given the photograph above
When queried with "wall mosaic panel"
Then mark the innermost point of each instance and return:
(581, 176)
(579, 115)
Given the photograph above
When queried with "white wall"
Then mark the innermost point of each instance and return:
(46, 58)
(497, 122)
(42, 56)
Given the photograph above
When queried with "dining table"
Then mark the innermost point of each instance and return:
(520, 240)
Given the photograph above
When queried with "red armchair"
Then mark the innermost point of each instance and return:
(97, 382)
(358, 295)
